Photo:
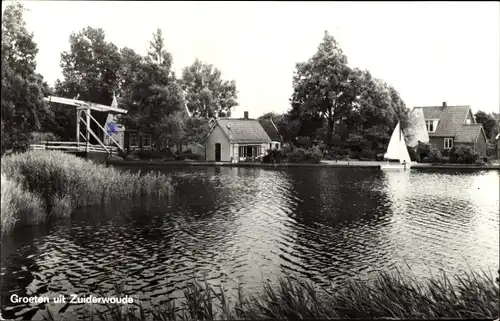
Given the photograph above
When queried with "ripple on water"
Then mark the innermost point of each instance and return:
(245, 224)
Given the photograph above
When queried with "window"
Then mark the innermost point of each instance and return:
(277, 145)
(468, 121)
(448, 143)
(133, 140)
(146, 140)
(249, 151)
(430, 125)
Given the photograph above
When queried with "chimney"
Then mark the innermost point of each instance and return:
(245, 115)
(444, 103)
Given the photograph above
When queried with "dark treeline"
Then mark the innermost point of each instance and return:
(340, 109)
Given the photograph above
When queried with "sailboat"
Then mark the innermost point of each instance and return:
(396, 150)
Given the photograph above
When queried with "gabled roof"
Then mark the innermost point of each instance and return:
(452, 122)
(271, 129)
(469, 133)
(239, 130)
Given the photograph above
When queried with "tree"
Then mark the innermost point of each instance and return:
(489, 122)
(207, 95)
(322, 84)
(151, 93)
(22, 103)
(90, 71)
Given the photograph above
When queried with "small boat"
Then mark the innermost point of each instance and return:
(397, 155)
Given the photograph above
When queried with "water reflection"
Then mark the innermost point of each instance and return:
(244, 224)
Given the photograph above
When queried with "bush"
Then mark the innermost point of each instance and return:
(463, 155)
(64, 182)
(42, 137)
(188, 154)
(301, 155)
(423, 150)
(367, 154)
(337, 153)
(274, 156)
(434, 156)
(414, 155)
(486, 159)
(153, 154)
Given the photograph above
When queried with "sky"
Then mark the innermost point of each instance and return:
(430, 52)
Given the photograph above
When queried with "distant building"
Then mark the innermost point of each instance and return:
(273, 133)
(449, 126)
(236, 139)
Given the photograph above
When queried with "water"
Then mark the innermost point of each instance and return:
(248, 224)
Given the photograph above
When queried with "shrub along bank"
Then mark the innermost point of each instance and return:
(56, 183)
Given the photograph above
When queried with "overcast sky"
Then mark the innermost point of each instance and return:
(430, 52)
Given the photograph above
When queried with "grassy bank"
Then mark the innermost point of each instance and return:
(44, 184)
(396, 296)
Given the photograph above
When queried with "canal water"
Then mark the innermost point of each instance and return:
(245, 225)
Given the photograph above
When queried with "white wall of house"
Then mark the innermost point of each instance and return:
(218, 136)
(119, 136)
(274, 145)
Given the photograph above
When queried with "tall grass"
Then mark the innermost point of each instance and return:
(18, 206)
(46, 184)
(470, 295)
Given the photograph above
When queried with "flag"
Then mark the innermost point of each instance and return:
(111, 128)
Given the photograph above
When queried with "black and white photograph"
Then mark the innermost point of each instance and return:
(250, 160)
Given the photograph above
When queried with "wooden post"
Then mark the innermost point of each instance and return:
(87, 114)
(78, 115)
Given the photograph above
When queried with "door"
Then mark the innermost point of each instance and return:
(217, 152)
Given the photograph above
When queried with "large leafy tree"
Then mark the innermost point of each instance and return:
(322, 84)
(489, 122)
(207, 94)
(22, 106)
(150, 92)
(90, 71)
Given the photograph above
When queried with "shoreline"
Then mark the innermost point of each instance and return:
(332, 164)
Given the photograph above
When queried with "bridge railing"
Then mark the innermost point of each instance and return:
(73, 147)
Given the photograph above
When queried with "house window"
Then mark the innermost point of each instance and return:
(249, 151)
(448, 143)
(146, 140)
(277, 146)
(133, 140)
(430, 125)
(468, 121)
(243, 151)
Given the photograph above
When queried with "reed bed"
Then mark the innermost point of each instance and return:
(45, 184)
(470, 295)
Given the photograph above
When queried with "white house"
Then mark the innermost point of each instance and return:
(236, 139)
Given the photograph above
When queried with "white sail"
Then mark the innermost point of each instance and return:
(404, 156)
(394, 149)
(397, 150)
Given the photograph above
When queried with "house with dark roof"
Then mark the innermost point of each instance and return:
(273, 133)
(450, 126)
(236, 139)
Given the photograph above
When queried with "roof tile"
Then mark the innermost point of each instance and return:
(243, 130)
(451, 123)
(270, 129)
